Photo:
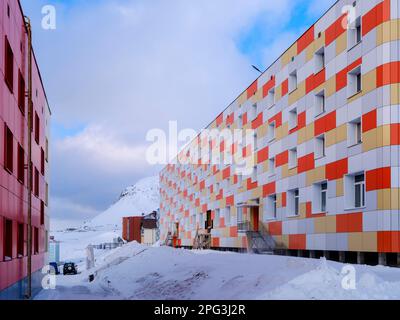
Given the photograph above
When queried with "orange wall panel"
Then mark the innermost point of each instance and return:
(369, 121)
(352, 222)
(337, 169)
(378, 179)
(252, 89)
(275, 228)
(297, 241)
(325, 124)
(305, 40)
(379, 14)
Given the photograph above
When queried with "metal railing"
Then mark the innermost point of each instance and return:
(260, 239)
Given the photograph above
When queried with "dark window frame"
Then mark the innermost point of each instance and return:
(7, 240)
(21, 240)
(8, 65)
(21, 92)
(8, 149)
(21, 165)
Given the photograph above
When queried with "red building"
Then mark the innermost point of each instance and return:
(14, 155)
(132, 229)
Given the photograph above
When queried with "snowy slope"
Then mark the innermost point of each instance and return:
(135, 200)
(139, 272)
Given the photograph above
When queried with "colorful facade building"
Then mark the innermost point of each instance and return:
(14, 82)
(326, 121)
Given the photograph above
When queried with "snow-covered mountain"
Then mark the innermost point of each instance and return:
(143, 197)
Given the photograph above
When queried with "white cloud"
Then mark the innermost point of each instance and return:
(123, 67)
(71, 210)
(102, 148)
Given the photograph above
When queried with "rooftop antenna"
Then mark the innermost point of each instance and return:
(255, 68)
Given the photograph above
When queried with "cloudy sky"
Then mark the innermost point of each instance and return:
(114, 69)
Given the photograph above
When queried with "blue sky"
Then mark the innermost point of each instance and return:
(114, 69)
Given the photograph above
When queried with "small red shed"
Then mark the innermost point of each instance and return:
(131, 229)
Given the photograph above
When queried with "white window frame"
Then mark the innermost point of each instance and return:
(271, 166)
(227, 216)
(320, 103)
(216, 217)
(293, 116)
(293, 158)
(271, 131)
(254, 174)
(354, 82)
(254, 113)
(354, 128)
(319, 58)
(271, 97)
(320, 147)
(255, 142)
(293, 200)
(354, 34)
(293, 81)
(350, 191)
(270, 207)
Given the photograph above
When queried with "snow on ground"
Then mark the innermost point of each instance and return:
(73, 243)
(135, 271)
(135, 200)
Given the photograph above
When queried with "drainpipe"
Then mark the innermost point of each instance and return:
(28, 294)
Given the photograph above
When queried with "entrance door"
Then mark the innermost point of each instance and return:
(209, 220)
(255, 218)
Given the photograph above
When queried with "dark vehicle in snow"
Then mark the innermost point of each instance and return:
(70, 268)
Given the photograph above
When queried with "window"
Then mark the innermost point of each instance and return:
(354, 132)
(293, 81)
(35, 240)
(319, 60)
(354, 80)
(240, 179)
(46, 243)
(47, 150)
(292, 158)
(293, 118)
(271, 97)
(320, 103)
(254, 174)
(21, 164)
(255, 142)
(323, 196)
(21, 240)
(320, 147)
(228, 216)
(8, 238)
(8, 149)
(359, 191)
(270, 207)
(271, 166)
(294, 202)
(36, 186)
(355, 190)
(9, 65)
(31, 177)
(37, 128)
(355, 35)
(47, 194)
(41, 212)
(241, 121)
(254, 111)
(216, 218)
(271, 131)
(42, 161)
(21, 92)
